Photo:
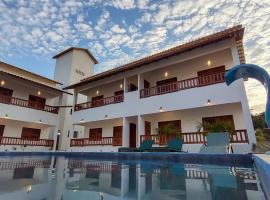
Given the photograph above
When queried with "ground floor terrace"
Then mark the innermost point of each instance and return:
(110, 134)
(26, 136)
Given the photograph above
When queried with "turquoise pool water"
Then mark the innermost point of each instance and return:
(61, 178)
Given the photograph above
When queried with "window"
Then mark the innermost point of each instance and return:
(30, 133)
(75, 134)
(172, 126)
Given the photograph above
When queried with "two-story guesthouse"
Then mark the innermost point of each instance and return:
(183, 86)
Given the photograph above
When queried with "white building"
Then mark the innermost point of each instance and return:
(183, 85)
(121, 107)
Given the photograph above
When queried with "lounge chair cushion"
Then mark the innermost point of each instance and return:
(214, 149)
(218, 139)
(175, 143)
(146, 144)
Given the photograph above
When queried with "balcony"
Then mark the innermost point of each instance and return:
(101, 102)
(26, 142)
(183, 84)
(238, 136)
(114, 141)
(28, 104)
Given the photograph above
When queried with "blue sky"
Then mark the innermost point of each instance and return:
(117, 31)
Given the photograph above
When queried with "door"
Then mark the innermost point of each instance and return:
(206, 77)
(5, 95)
(30, 133)
(132, 88)
(57, 142)
(132, 135)
(167, 85)
(37, 102)
(95, 134)
(118, 96)
(97, 101)
(146, 84)
(117, 135)
(2, 128)
(147, 127)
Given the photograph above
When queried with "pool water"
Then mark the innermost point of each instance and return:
(61, 178)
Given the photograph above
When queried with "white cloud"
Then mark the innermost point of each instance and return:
(120, 30)
(117, 29)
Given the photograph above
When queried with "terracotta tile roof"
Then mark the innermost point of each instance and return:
(237, 32)
(76, 48)
(27, 72)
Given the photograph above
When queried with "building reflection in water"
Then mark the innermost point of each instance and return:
(46, 178)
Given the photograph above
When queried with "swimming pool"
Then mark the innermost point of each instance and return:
(110, 176)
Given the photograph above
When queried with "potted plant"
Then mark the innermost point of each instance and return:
(216, 127)
(169, 130)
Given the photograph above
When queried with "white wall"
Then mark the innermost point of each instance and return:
(188, 69)
(65, 72)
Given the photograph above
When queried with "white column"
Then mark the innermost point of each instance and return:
(124, 181)
(75, 100)
(125, 85)
(141, 185)
(125, 137)
(140, 129)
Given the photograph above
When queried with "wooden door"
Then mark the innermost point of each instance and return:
(57, 142)
(146, 84)
(5, 95)
(132, 87)
(117, 135)
(97, 101)
(30, 133)
(95, 134)
(167, 85)
(228, 119)
(2, 128)
(132, 135)
(37, 102)
(167, 81)
(205, 77)
(147, 128)
(118, 96)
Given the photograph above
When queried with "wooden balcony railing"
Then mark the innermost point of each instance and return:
(80, 142)
(25, 142)
(10, 165)
(100, 102)
(238, 136)
(183, 84)
(28, 104)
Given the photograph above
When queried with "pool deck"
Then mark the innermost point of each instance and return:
(262, 162)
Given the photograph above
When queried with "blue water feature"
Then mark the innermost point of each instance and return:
(251, 71)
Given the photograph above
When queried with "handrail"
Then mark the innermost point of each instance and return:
(238, 136)
(114, 141)
(100, 102)
(183, 84)
(28, 104)
(27, 142)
